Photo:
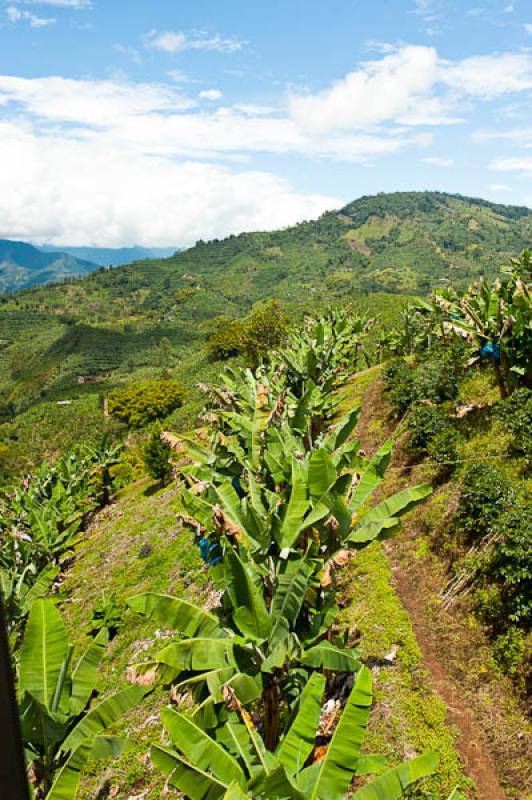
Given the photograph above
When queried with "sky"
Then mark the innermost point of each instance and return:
(160, 122)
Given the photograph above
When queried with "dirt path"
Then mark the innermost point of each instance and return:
(478, 762)
(495, 738)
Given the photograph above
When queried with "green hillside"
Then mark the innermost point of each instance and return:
(155, 315)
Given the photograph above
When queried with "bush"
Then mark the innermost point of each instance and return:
(486, 494)
(511, 565)
(432, 432)
(399, 379)
(266, 330)
(156, 456)
(516, 414)
(227, 340)
(145, 402)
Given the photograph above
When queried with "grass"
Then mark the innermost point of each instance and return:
(408, 718)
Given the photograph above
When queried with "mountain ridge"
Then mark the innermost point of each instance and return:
(22, 265)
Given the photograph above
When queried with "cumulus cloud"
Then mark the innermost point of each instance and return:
(490, 76)
(378, 91)
(513, 164)
(15, 15)
(211, 94)
(177, 41)
(67, 190)
(412, 86)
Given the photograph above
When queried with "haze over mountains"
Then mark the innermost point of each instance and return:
(113, 256)
(23, 265)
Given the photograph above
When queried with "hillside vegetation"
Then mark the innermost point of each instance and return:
(223, 536)
(118, 323)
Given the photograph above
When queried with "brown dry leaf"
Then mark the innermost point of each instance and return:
(141, 676)
(223, 523)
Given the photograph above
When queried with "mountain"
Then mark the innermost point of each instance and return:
(113, 256)
(22, 266)
(374, 252)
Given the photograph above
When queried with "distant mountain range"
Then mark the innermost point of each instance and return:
(22, 266)
(114, 256)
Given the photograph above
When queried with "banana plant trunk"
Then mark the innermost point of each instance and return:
(272, 714)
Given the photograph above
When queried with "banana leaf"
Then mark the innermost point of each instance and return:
(393, 782)
(172, 612)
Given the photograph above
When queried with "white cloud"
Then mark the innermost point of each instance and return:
(528, 27)
(513, 164)
(438, 161)
(211, 94)
(411, 86)
(508, 9)
(378, 91)
(500, 187)
(14, 15)
(490, 76)
(152, 118)
(521, 136)
(66, 190)
(177, 41)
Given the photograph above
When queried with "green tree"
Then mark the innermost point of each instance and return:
(145, 402)
(156, 456)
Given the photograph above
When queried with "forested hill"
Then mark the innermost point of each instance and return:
(405, 242)
(111, 323)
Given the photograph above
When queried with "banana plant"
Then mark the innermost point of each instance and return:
(61, 730)
(19, 591)
(496, 321)
(263, 645)
(233, 762)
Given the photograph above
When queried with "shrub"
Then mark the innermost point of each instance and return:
(145, 401)
(266, 330)
(399, 379)
(156, 456)
(227, 340)
(511, 565)
(486, 493)
(432, 432)
(516, 414)
(424, 423)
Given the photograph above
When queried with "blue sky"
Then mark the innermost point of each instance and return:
(162, 122)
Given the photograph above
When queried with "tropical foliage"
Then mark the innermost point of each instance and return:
(237, 765)
(41, 519)
(61, 731)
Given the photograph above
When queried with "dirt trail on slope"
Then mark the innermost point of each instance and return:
(493, 741)
(478, 762)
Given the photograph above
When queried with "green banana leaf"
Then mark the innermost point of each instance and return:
(326, 656)
(372, 476)
(193, 782)
(298, 743)
(85, 674)
(298, 504)
(321, 473)
(288, 599)
(330, 778)
(66, 784)
(399, 503)
(172, 612)
(250, 612)
(392, 784)
(43, 652)
(200, 749)
(102, 715)
(200, 654)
